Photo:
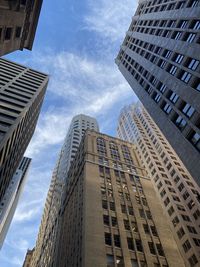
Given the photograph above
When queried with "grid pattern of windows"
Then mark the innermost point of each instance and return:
(159, 60)
(170, 178)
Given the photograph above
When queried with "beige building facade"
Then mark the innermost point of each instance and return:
(111, 215)
(28, 258)
(176, 190)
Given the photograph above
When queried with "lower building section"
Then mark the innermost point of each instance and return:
(111, 216)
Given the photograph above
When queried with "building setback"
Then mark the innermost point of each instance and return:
(160, 60)
(110, 215)
(47, 237)
(10, 200)
(176, 189)
(18, 24)
(21, 95)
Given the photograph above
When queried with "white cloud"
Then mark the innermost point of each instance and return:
(93, 88)
(110, 19)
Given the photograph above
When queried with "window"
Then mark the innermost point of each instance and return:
(130, 210)
(178, 58)
(173, 97)
(180, 123)
(188, 110)
(177, 35)
(180, 233)
(106, 220)
(108, 240)
(139, 245)
(185, 218)
(152, 248)
(126, 225)
(104, 204)
(123, 208)
(153, 230)
(110, 260)
(114, 221)
(183, 24)
(196, 214)
(134, 263)
(167, 108)
(197, 242)
(191, 229)
(186, 77)
(194, 138)
(173, 70)
(18, 32)
(186, 246)
(130, 243)
(117, 241)
(193, 64)
(196, 25)
(8, 33)
(190, 37)
(170, 211)
(193, 260)
(160, 250)
(175, 221)
(112, 206)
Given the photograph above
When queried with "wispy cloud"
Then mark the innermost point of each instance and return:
(86, 85)
(110, 19)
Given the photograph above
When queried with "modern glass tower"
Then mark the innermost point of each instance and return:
(176, 190)
(10, 200)
(160, 60)
(21, 95)
(18, 24)
(44, 254)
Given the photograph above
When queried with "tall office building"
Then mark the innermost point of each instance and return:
(28, 258)
(18, 24)
(176, 189)
(21, 95)
(110, 216)
(160, 60)
(11, 197)
(46, 242)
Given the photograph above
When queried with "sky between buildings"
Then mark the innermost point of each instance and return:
(76, 44)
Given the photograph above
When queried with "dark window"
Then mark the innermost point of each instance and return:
(114, 221)
(139, 245)
(106, 219)
(186, 246)
(18, 32)
(8, 33)
(130, 243)
(108, 240)
(117, 241)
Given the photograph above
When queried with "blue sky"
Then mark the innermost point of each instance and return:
(76, 44)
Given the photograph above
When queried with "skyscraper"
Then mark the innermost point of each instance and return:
(18, 24)
(11, 197)
(28, 258)
(176, 189)
(110, 215)
(160, 60)
(44, 253)
(21, 95)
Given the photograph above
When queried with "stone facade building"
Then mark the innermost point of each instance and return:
(160, 60)
(177, 191)
(28, 258)
(44, 254)
(110, 214)
(18, 24)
